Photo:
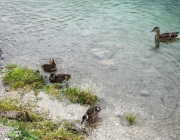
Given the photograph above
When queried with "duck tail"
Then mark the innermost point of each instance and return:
(178, 36)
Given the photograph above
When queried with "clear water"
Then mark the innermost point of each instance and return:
(107, 46)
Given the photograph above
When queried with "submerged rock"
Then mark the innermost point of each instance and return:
(101, 53)
(111, 64)
(108, 54)
(86, 32)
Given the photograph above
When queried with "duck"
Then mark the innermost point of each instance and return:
(59, 78)
(91, 115)
(164, 36)
(51, 67)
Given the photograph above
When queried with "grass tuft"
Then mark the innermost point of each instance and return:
(17, 77)
(83, 97)
(130, 118)
(11, 66)
(7, 106)
(52, 89)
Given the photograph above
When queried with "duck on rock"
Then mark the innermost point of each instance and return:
(59, 78)
(91, 115)
(49, 67)
(165, 36)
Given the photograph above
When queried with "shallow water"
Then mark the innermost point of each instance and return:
(107, 46)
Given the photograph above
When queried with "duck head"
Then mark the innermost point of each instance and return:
(98, 109)
(67, 77)
(156, 29)
(85, 117)
(51, 61)
(52, 77)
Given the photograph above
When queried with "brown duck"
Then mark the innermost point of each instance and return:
(164, 36)
(91, 115)
(59, 78)
(49, 67)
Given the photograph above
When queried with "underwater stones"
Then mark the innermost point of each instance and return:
(100, 53)
(86, 32)
(108, 54)
(144, 93)
(110, 63)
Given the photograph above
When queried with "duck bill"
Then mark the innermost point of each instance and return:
(152, 30)
(82, 121)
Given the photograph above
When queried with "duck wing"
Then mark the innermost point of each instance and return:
(49, 67)
(169, 35)
(62, 77)
(93, 118)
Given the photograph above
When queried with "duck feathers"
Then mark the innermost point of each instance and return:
(59, 78)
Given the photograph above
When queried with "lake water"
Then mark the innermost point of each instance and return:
(107, 46)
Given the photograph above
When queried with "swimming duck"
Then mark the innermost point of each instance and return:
(164, 36)
(49, 67)
(91, 114)
(59, 78)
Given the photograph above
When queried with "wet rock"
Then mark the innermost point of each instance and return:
(144, 93)
(98, 53)
(108, 54)
(86, 32)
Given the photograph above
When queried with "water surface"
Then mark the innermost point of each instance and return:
(107, 46)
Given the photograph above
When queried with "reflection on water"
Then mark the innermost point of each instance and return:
(106, 46)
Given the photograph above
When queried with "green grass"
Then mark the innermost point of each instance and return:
(39, 128)
(7, 106)
(27, 79)
(130, 118)
(73, 94)
(43, 130)
(83, 97)
(17, 77)
(52, 89)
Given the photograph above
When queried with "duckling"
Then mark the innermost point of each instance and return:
(164, 36)
(59, 78)
(49, 67)
(91, 114)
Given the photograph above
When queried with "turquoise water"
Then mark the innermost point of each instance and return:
(107, 46)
